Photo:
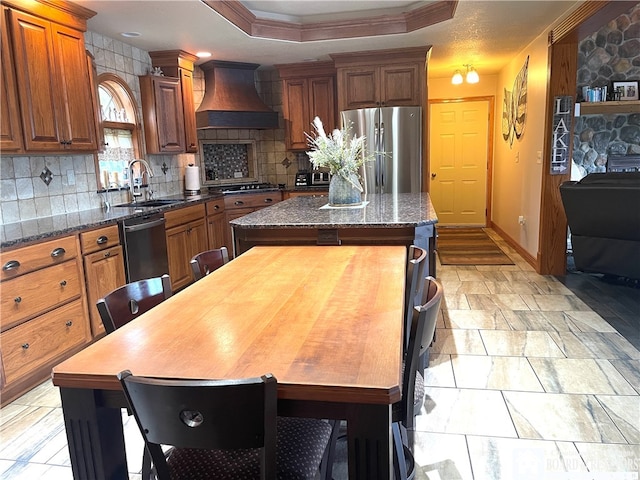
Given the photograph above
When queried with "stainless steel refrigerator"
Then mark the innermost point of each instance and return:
(394, 134)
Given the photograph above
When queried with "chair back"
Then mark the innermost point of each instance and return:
(423, 325)
(125, 303)
(204, 263)
(205, 414)
(413, 285)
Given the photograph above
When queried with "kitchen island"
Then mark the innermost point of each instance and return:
(383, 219)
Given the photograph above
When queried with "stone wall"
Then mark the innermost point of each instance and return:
(610, 54)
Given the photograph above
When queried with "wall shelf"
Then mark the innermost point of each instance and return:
(599, 108)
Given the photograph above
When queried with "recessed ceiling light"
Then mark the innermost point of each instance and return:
(203, 54)
(130, 34)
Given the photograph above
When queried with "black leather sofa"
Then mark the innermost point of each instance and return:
(603, 213)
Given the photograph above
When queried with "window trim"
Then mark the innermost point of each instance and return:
(135, 126)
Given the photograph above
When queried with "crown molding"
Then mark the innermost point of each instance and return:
(237, 14)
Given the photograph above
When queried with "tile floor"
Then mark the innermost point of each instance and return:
(525, 382)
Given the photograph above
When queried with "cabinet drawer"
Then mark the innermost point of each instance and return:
(37, 342)
(27, 259)
(184, 215)
(99, 239)
(37, 292)
(215, 206)
(252, 200)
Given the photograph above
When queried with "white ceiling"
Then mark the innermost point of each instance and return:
(486, 34)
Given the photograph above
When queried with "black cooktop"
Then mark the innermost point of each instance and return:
(237, 187)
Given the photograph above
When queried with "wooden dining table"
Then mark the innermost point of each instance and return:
(326, 321)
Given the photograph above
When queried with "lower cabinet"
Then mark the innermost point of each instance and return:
(239, 205)
(217, 230)
(44, 312)
(186, 232)
(103, 268)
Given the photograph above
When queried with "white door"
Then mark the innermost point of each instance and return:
(458, 153)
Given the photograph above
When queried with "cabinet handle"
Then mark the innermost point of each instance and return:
(107, 254)
(102, 239)
(63, 283)
(163, 146)
(217, 207)
(192, 145)
(68, 323)
(239, 202)
(11, 265)
(25, 346)
(17, 299)
(58, 252)
(268, 200)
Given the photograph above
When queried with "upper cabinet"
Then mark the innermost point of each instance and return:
(163, 114)
(382, 78)
(10, 131)
(308, 91)
(52, 76)
(179, 64)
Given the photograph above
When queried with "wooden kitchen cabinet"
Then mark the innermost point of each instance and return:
(163, 114)
(240, 204)
(186, 233)
(53, 79)
(44, 313)
(179, 64)
(10, 129)
(103, 267)
(217, 229)
(383, 78)
(308, 91)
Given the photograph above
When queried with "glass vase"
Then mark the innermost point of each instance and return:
(342, 193)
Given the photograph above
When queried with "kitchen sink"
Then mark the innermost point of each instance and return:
(161, 202)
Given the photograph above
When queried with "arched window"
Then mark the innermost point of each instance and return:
(121, 130)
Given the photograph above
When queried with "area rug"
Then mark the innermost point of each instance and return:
(468, 246)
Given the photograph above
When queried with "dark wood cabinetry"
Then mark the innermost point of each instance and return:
(308, 91)
(163, 114)
(52, 76)
(382, 78)
(179, 64)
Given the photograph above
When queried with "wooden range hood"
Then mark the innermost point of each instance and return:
(230, 98)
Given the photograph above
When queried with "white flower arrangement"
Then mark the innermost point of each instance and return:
(334, 151)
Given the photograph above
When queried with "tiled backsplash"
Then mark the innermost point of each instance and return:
(23, 194)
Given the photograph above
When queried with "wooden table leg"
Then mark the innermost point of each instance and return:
(369, 442)
(94, 436)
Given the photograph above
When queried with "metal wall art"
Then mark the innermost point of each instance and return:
(514, 107)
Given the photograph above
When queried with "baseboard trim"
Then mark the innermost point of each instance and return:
(517, 247)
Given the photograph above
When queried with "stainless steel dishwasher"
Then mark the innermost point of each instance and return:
(145, 247)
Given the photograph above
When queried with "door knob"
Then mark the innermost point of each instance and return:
(433, 175)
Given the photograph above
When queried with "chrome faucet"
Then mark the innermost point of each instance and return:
(136, 183)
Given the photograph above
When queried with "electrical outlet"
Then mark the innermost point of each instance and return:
(518, 157)
(539, 157)
(521, 220)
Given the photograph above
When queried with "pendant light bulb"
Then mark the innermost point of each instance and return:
(457, 78)
(472, 75)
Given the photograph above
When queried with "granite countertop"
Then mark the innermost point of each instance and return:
(382, 210)
(29, 231)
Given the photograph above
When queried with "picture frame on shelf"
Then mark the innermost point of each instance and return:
(628, 90)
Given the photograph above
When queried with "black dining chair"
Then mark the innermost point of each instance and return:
(223, 429)
(422, 329)
(129, 301)
(204, 263)
(414, 282)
